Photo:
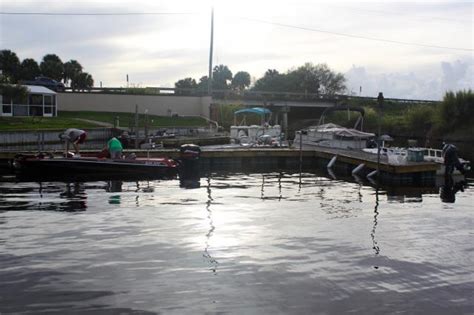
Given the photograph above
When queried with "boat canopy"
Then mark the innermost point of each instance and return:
(343, 132)
(255, 110)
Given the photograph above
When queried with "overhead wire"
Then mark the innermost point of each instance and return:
(248, 19)
(354, 35)
(94, 14)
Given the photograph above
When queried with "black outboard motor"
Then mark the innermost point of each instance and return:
(189, 174)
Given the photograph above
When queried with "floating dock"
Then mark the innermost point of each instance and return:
(343, 161)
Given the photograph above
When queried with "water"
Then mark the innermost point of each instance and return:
(273, 243)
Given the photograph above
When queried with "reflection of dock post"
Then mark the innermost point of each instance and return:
(375, 245)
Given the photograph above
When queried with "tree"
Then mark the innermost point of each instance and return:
(308, 78)
(10, 65)
(83, 81)
(330, 81)
(241, 80)
(29, 69)
(271, 81)
(221, 77)
(72, 68)
(187, 83)
(52, 67)
(456, 110)
(203, 84)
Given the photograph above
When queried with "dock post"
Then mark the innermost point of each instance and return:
(136, 126)
(358, 169)
(380, 99)
(332, 162)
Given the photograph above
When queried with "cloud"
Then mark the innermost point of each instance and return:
(161, 49)
(428, 82)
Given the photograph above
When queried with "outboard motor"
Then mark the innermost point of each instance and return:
(189, 174)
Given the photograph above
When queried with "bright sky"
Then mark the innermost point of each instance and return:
(406, 49)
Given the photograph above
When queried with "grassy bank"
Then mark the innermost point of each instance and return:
(128, 119)
(41, 123)
(66, 120)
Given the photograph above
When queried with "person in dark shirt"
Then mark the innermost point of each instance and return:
(451, 159)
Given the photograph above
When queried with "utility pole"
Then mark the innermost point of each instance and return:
(209, 80)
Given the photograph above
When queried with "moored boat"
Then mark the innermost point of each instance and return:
(263, 135)
(49, 165)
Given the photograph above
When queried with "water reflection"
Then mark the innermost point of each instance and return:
(207, 255)
(206, 250)
(375, 245)
(450, 187)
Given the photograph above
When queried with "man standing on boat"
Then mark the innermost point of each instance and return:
(74, 136)
(451, 159)
(115, 148)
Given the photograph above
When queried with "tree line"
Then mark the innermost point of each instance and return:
(51, 66)
(308, 78)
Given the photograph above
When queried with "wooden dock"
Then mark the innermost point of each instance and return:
(242, 158)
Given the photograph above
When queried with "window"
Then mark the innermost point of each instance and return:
(36, 99)
(48, 100)
(6, 109)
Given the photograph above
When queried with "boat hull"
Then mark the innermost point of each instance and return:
(76, 167)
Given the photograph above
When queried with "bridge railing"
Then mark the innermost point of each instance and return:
(263, 96)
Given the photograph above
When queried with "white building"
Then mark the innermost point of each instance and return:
(41, 101)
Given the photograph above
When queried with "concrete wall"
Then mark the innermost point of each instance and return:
(161, 105)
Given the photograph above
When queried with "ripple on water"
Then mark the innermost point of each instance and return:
(241, 243)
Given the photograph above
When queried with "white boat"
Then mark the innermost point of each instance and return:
(255, 135)
(436, 155)
(335, 136)
(400, 156)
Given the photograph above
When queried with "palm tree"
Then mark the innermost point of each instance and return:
(241, 80)
(221, 76)
(29, 69)
(52, 67)
(72, 68)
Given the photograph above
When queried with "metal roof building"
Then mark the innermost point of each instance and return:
(41, 101)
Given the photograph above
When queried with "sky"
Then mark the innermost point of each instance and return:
(405, 49)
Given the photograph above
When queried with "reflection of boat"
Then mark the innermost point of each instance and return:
(59, 166)
(255, 135)
(335, 136)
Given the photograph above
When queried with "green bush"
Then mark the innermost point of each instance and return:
(456, 110)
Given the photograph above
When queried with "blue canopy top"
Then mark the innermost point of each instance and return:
(255, 110)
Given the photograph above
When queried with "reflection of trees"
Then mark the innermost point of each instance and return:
(213, 262)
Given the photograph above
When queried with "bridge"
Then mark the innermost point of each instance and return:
(250, 98)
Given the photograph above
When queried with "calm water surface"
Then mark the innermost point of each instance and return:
(272, 243)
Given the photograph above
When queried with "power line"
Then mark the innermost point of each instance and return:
(354, 36)
(94, 14)
(401, 14)
(243, 18)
